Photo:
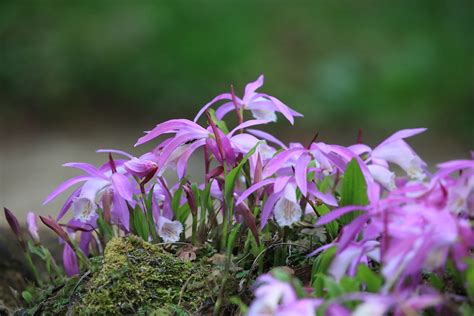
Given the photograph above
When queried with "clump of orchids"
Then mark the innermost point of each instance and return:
(375, 241)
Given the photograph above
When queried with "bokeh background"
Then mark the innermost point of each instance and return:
(80, 75)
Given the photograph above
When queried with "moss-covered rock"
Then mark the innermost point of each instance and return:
(137, 277)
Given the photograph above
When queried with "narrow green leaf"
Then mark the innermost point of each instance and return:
(219, 123)
(354, 189)
(140, 223)
(232, 237)
(149, 213)
(232, 175)
(333, 227)
(372, 280)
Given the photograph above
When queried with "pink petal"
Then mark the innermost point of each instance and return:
(335, 214)
(404, 133)
(224, 109)
(224, 96)
(122, 186)
(183, 160)
(64, 186)
(251, 87)
(247, 124)
(252, 189)
(115, 151)
(171, 126)
(267, 136)
(268, 208)
(88, 168)
(301, 171)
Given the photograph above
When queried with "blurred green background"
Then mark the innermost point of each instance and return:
(78, 75)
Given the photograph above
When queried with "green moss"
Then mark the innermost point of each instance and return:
(137, 277)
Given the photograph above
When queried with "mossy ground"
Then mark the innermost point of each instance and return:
(136, 277)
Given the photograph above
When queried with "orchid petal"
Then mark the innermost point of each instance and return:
(251, 87)
(183, 160)
(268, 208)
(224, 96)
(122, 186)
(404, 133)
(267, 137)
(115, 151)
(278, 161)
(335, 214)
(171, 126)
(301, 171)
(252, 189)
(247, 124)
(88, 168)
(224, 109)
(64, 186)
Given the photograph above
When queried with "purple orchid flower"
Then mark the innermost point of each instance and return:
(275, 297)
(262, 106)
(393, 150)
(95, 182)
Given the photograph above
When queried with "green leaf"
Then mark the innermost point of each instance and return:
(140, 223)
(323, 260)
(232, 237)
(27, 296)
(372, 280)
(149, 213)
(350, 284)
(232, 175)
(219, 123)
(470, 281)
(332, 287)
(183, 213)
(105, 229)
(333, 227)
(324, 185)
(354, 189)
(243, 308)
(176, 200)
(436, 281)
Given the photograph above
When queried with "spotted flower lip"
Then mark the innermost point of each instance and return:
(170, 231)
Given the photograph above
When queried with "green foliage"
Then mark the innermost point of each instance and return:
(354, 189)
(372, 280)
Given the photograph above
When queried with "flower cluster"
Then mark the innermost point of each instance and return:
(386, 226)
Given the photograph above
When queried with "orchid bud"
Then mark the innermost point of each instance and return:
(57, 229)
(32, 226)
(70, 262)
(15, 226)
(191, 199)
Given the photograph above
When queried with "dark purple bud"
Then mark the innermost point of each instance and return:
(57, 229)
(191, 199)
(15, 226)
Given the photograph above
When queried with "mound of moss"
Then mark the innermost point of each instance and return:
(135, 277)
